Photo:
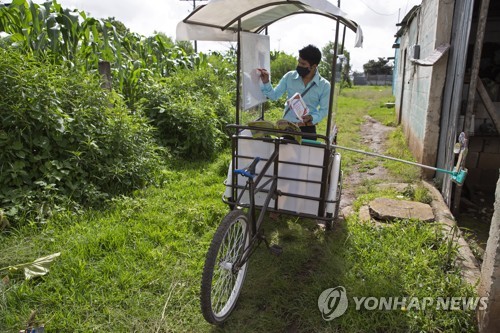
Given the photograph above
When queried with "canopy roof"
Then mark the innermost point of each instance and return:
(218, 19)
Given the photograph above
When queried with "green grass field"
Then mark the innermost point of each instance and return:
(136, 267)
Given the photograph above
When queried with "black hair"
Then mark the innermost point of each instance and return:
(311, 54)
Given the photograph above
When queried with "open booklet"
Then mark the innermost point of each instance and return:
(297, 104)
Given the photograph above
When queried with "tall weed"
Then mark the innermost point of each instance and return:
(190, 111)
(64, 139)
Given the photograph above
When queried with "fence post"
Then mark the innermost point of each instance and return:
(105, 71)
(488, 319)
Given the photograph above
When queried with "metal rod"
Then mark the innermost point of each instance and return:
(343, 40)
(332, 80)
(393, 158)
(238, 67)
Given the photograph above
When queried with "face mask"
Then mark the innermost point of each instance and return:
(303, 71)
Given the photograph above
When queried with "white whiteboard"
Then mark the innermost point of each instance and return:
(254, 54)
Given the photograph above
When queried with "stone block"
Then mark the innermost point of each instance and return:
(489, 161)
(488, 180)
(475, 144)
(347, 211)
(390, 209)
(364, 214)
(471, 161)
(492, 145)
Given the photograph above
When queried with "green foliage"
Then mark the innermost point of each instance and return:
(398, 148)
(281, 63)
(190, 111)
(134, 266)
(418, 193)
(64, 139)
(380, 66)
(51, 32)
(71, 38)
(384, 115)
(149, 58)
(152, 245)
(343, 67)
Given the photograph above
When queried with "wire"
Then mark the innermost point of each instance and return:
(376, 12)
(406, 8)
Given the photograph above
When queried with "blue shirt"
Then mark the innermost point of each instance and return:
(316, 99)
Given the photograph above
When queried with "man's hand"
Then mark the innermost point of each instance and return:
(307, 120)
(264, 75)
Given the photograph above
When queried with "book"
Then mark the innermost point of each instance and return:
(297, 104)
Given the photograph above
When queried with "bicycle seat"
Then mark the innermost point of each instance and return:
(248, 171)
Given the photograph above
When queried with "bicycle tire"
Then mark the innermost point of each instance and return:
(339, 195)
(335, 214)
(220, 286)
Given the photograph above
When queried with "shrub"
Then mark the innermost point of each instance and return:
(190, 111)
(281, 63)
(64, 139)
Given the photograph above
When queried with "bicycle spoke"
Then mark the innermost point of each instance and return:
(222, 283)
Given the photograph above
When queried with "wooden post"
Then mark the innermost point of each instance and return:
(488, 104)
(105, 71)
(476, 60)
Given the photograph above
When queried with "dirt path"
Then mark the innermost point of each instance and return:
(373, 136)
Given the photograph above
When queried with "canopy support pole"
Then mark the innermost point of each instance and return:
(332, 84)
(238, 69)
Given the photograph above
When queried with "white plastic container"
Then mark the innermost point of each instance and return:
(293, 153)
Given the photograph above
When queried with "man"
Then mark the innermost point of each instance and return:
(305, 79)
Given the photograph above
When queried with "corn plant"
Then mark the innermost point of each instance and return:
(70, 37)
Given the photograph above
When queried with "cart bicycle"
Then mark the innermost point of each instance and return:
(273, 172)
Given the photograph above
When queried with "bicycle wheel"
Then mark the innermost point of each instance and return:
(335, 214)
(339, 195)
(221, 283)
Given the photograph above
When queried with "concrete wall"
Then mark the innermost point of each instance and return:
(489, 287)
(420, 108)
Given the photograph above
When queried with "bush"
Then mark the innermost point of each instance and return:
(64, 140)
(190, 111)
(281, 63)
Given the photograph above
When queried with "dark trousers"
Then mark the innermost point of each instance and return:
(309, 129)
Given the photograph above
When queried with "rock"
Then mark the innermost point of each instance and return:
(364, 214)
(347, 211)
(390, 209)
(4, 222)
(398, 187)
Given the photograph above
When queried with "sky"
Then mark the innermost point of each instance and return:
(377, 18)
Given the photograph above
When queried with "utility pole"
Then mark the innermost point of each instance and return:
(194, 6)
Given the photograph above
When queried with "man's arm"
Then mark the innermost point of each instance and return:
(268, 90)
(322, 111)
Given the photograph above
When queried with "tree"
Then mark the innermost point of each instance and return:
(380, 66)
(325, 67)
(281, 63)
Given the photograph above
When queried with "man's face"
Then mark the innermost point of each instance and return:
(303, 63)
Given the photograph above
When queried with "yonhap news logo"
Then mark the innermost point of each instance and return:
(333, 303)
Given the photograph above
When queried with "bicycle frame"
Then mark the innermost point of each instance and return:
(252, 186)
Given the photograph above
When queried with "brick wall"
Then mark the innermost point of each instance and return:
(483, 162)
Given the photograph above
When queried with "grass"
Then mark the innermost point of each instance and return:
(136, 267)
